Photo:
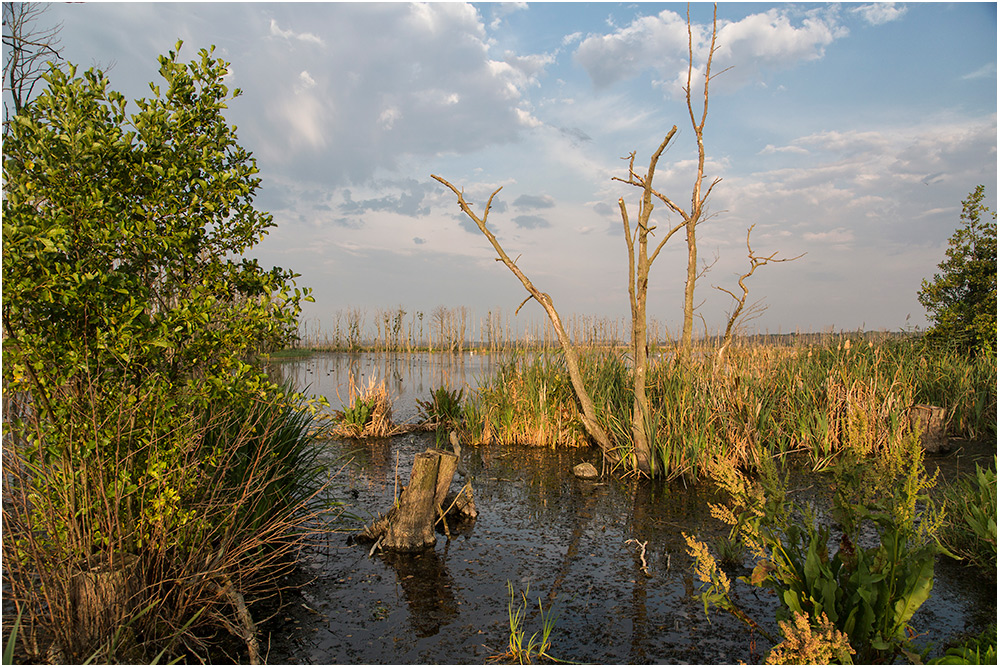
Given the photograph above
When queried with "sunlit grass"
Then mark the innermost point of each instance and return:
(764, 401)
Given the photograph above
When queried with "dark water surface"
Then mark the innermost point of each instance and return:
(568, 542)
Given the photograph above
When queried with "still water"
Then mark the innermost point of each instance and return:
(572, 544)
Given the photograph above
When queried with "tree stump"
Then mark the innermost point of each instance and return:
(929, 422)
(409, 525)
(101, 595)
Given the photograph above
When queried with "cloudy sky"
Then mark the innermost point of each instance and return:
(848, 132)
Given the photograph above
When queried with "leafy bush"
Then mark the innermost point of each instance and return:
(444, 410)
(153, 474)
(970, 530)
(867, 591)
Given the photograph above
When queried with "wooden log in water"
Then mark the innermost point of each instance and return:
(409, 526)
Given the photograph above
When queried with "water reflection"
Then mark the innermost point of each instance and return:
(408, 376)
(427, 588)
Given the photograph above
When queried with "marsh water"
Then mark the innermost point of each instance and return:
(606, 559)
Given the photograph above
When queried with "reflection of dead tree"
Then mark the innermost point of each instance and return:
(738, 318)
(589, 416)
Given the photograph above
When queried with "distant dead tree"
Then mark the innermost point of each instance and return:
(27, 49)
(738, 317)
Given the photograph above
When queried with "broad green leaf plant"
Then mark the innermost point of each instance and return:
(868, 581)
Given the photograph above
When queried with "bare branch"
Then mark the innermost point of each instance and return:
(589, 414)
(27, 49)
(735, 320)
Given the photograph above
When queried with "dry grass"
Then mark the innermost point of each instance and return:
(764, 401)
(367, 413)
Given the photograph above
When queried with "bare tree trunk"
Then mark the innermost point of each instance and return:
(589, 415)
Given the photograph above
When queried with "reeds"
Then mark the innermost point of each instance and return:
(764, 401)
(140, 529)
(536, 647)
(367, 413)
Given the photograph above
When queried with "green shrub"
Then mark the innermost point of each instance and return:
(444, 410)
(867, 592)
(970, 529)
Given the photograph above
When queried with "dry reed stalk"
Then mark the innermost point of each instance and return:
(379, 420)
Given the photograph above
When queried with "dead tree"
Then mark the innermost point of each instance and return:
(640, 260)
(690, 219)
(27, 49)
(637, 239)
(737, 316)
(589, 414)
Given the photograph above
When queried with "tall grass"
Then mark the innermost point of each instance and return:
(144, 528)
(765, 400)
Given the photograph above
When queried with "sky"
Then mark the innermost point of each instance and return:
(848, 132)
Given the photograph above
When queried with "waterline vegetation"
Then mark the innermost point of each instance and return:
(157, 485)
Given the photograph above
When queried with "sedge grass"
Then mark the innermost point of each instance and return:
(764, 401)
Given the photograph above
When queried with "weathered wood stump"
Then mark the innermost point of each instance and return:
(929, 422)
(101, 594)
(409, 525)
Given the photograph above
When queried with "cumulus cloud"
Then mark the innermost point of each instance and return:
(658, 41)
(776, 39)
(427, 85)
(879, 13)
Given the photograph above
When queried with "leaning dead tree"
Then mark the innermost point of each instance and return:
(737, 316)
(589, 414)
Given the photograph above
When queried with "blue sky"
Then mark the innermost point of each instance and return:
(848, 132)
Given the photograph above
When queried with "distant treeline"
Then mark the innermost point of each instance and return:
(458, 329)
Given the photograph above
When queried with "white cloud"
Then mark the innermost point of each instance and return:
(291, 34)
(426, 75)
(306, 79)
(649, 41)
(879, 13)
(987, 71)
(758, 42)
(571, 38)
